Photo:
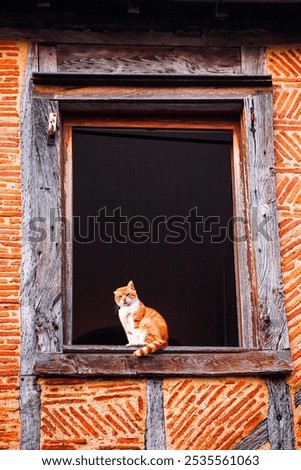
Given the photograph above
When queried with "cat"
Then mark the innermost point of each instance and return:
(143, 325)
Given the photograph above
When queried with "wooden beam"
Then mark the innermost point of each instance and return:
(44, 232)
(30, 413)
(280, 415)
(41, 262)
(155, 438)
(256, 439)
(253, 60)
(269, 312)
(245, 33)
(47, 57)
(151, 80)
(29, 398)
(193, 107)
(147, 59)
(163, 365)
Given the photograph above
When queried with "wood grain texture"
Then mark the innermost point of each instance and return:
(47, 57)
(41, 311)
(30, 409)
(185, 93)
(29, 398)
(147, 59)
(28, 346)
(163, 365)
(252, 60)
(45, 193)
(256, 439)
(155, 424)
(272, 324)
(280, 415)
(242, 250)
(209, 36)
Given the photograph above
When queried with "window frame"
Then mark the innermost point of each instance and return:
(248, 103)
(148, 122)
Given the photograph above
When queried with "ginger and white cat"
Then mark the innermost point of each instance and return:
(143, 325)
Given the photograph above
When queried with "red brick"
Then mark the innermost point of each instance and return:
(10, 238)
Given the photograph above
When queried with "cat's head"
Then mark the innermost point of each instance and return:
(125, 296)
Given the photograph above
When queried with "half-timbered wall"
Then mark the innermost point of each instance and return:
(245, 412)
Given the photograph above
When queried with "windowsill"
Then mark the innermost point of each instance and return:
(117, 361)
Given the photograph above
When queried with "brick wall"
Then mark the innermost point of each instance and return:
(93, 414)
(212, 413)
(12, 61)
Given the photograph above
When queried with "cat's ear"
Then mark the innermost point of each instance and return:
(131, 285)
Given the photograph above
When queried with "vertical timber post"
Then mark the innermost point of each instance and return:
(155, 438)
(41, 279)
(280, 415)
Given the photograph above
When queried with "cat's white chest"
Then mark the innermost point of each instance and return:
(126, 315)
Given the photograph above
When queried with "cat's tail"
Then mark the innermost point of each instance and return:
(150, 348)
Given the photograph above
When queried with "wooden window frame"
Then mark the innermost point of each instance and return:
(247, 108)
(149, 121)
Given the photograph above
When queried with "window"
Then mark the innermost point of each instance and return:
(156, 206)
(232, 116)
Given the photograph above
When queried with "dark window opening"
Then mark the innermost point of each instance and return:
(154, 206)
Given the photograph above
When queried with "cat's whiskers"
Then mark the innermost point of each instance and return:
(115, 308)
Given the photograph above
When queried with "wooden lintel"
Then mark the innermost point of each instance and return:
(218, 109)
(151, 80)
(164, 365)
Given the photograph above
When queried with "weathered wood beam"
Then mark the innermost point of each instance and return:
(280, 415)
(245, 33)
(269, 313)
(47, 58)
(30, 412)
(29, 399)
(41, 264)
(147, 59)
(155, 438)
(256, 439)
(163, 365)
(192, 107)
(252, 60)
